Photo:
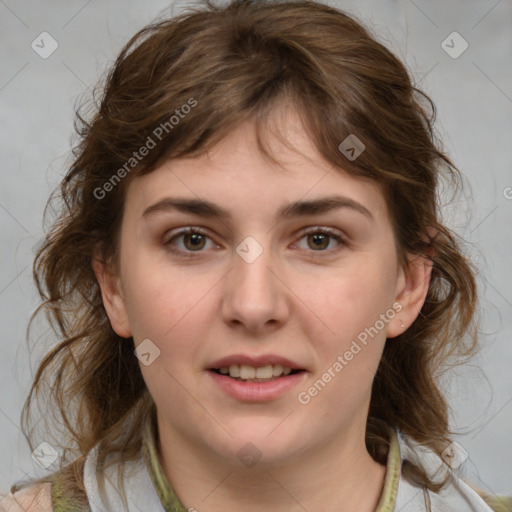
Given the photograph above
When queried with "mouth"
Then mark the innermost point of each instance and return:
(247, 373)
(252, 384)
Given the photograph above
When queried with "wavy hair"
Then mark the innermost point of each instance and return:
(230, 64)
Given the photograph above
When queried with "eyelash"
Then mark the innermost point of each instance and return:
(191, 254)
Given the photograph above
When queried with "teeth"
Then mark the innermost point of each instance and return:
(234, 370)
(277, 370)
(264, 372)
(246, 372)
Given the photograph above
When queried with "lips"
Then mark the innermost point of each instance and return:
(255, 361)
(237, 381)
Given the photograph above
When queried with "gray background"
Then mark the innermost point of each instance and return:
(473, 94)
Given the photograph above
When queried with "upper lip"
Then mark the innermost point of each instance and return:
(255, 361)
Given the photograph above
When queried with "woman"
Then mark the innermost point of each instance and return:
(252, 284)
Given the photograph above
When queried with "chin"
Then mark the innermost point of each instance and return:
(257, 455)
(264, 442)
(265, 429)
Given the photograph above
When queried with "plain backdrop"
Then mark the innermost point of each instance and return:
(473, 95)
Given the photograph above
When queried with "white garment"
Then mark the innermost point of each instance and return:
(103, 489)
(456, 497)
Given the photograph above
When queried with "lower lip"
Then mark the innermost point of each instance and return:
(257, 391)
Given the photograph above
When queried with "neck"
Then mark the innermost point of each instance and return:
(338, 476)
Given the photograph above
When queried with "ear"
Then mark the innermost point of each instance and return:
(410, 293)
(112, 295)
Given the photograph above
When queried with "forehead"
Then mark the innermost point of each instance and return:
(235, 175)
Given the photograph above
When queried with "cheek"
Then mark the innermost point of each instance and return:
(166, 305)
(349, 337)
(348, 300)
(167, 309)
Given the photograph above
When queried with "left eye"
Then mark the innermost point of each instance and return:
(320, 238)
(194, 240)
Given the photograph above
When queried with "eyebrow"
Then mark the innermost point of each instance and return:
(207, 209)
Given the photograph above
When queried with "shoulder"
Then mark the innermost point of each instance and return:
(480, 499)
(496, 503)
(36, 497)
(456, 495)
(61, 491)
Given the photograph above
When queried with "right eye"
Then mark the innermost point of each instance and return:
(193, 241)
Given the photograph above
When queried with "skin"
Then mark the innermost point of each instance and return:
(295, 300)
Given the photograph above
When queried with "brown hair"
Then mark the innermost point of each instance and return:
(231, 64)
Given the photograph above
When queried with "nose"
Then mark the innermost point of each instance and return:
(255, 296)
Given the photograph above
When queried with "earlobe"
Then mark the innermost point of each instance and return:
(112, 296)
(411, 291)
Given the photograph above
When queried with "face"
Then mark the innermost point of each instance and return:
(262, 290)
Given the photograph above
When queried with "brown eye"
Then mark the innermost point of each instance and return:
(319, 241)
(196, 240)
(193, 241)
